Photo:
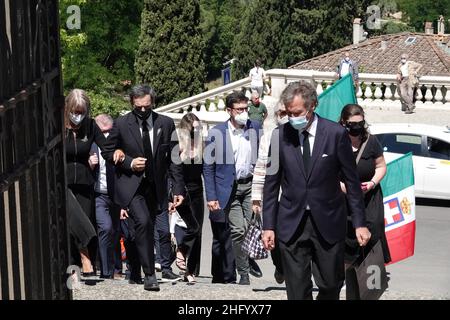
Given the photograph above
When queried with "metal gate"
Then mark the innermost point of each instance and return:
(33, 231)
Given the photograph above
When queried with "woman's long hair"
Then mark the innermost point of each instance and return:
(186, 127)
(351, 110)
(76, 100)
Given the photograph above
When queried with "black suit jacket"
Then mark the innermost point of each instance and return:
(319, 188)
(126, 135)
(110, 173)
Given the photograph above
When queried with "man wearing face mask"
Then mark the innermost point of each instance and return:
(147, 139)
(310, 155)
(407, 78)
(230, 156)
(347, 66)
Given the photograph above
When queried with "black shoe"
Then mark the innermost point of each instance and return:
(169, 276)
(254, 269)
(245, 280)
(279, 277)
(151, 283)
(135, 280)
(88, 274)
(102, 276)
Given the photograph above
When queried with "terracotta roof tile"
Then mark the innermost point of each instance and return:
(373, 59)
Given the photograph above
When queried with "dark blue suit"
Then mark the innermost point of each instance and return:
(107, 216)
(331, 159)
(219, 173)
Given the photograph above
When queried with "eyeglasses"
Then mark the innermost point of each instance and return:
(240, 110)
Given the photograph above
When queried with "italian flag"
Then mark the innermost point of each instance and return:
(399, 207)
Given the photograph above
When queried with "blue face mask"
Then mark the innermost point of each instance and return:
(299, 123)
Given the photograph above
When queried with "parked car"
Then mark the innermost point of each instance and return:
(430, 146)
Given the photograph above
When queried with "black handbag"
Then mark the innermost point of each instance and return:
(252, 244)
(366, 278)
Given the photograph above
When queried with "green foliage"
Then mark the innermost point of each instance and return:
(220, 22)
(417, 12)
(170, 54)
(263, 35)
(99, 58)
(282, 33)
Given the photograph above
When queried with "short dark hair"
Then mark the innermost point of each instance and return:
(300, 88)
(235, 97)
(141, 90)
(351, 110)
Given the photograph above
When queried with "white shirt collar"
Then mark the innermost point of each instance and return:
(233, 129)
(313, 127)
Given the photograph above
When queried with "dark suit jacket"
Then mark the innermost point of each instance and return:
(320, 188)
(219, 168)
(110, 173)
(126, 135)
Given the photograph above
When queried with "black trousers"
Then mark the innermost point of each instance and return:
(223, 264)
(309, 252)
(142, 209)
(191, 242)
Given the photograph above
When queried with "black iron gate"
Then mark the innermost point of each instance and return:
(33, 231)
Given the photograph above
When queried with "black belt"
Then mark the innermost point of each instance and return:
(244, 180)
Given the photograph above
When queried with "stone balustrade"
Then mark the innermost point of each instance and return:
(375, 90)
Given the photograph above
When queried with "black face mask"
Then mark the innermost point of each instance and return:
(143, 115)
(355, 129)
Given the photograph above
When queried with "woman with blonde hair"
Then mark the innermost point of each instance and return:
(81, 132)
(192, 209)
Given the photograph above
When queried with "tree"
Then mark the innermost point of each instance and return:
(220, 22)
(99, 57)
(417, 12)
(262, 36)
(282, 33)
(170, 54)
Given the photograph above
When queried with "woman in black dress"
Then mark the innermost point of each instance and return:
(80, 132)
(371, 169)
(192, 209)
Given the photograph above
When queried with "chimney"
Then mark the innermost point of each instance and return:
(429, 28)
(441, 25)
(384, 43)
(358, 31)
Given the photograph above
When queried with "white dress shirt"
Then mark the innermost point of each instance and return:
(101, 186)
(242, 151)
(404, 70)
(312, 136)
(345, 69)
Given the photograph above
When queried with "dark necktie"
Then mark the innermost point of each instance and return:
(306, 151)
(147, 150)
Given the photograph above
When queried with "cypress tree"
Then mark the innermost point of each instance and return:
(284, 32)
(170, 54)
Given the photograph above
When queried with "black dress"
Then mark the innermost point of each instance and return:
(80, 182)
(192, 212)
(373, 201)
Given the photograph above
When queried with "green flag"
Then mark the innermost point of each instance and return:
(335, 98)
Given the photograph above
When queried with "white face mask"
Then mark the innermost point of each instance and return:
(76, 118)
(282, 120)
(241, 118)
(403, 61)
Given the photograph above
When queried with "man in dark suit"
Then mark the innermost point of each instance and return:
(308, 157)
(106, 211)
(147, 139)
(230, 156)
